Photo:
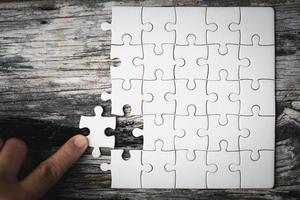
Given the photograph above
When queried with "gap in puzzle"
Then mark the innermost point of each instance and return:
(203, 81)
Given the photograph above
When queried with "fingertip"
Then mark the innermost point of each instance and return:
(80, 142)
(12, 156)
(17, 144)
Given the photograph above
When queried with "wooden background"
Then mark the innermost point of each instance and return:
(54, 63)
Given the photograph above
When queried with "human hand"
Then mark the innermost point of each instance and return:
(41, 179)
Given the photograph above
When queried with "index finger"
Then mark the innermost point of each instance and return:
(48, 173)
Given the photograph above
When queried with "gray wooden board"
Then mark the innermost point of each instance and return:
(54, 63)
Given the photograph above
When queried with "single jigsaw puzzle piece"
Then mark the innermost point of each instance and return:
(120, 97)
(229, 62)
(158, 17)
(229, 132)
(125, 173)
(256, 173)
(222, 89)
(126, 70)
(152, 132)
(190, 125)
(223, 177)
(261, 133)
(191, 173)
(264, 97)
(158, 88)
(159, 177)
(249, 26)
(185, 97)
(190, 21)
(222, 18)
(126, 20)
(190, 54)
(97, 125)
(153, 62)
(261, 67)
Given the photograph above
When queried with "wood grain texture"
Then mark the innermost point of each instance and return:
(54, 64)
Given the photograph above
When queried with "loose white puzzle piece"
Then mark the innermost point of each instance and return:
(203, 79)
(125, 173)
(97, 126)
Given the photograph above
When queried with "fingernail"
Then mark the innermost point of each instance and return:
(80, 141)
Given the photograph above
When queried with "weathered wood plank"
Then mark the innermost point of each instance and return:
(54, 63)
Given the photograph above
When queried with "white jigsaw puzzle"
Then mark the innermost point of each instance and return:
(203, 79)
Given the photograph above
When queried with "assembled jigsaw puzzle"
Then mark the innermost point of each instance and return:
(203, 81)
